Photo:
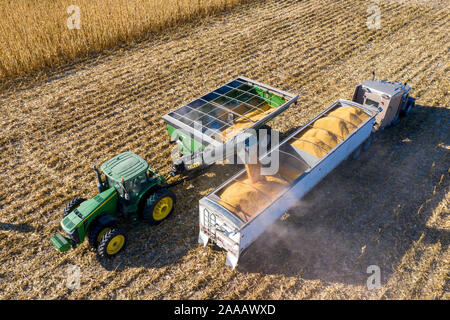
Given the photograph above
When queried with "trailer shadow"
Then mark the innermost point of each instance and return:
(368, 211)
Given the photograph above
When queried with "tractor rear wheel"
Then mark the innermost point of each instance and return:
(158, 206)
(112, 243)
(72, 205)
(97, 232)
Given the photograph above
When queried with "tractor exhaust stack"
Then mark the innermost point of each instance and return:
(100, 184)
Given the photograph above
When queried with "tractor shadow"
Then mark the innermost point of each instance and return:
(22, 227)
(368, 211)
(167, 243)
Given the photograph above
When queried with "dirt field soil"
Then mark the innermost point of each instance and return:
(390, 209)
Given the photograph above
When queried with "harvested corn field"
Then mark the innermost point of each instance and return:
(389, 208)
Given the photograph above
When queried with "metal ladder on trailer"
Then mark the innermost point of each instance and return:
(209, 220)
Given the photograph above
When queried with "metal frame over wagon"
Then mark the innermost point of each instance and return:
(204, 121)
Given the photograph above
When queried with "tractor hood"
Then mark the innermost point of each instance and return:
(103, 202)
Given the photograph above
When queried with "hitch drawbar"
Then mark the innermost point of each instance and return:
(61, 243)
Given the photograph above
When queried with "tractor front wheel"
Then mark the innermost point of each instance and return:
(158, 206)
(72, 205)
(97, 232)
(112, 243)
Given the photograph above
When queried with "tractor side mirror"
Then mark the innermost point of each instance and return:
(126, 195)
(100, 183)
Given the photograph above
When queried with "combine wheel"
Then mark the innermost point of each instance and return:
(112, 243)
(72, 205)
(158, 206)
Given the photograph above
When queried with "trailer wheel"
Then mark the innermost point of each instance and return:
(396, 119)
(368, 142)
(356, 153)
(112, 243)
(72, 205)
(410, 103)
(158, 206)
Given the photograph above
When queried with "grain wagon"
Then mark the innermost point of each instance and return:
(205, 128)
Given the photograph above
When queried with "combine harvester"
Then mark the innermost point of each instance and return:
(242, 208)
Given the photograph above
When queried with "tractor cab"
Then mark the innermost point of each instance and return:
(392, 98)
(131, 177)
(128, 174)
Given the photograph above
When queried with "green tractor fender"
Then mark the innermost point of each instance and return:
(76, 225)
(102, 205)
(99, 227)
(103, 219)
(147, 192)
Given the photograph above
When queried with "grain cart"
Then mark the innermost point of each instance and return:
(213, 123)
(239, 210)
(131, 191)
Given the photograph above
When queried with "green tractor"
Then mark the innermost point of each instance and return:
(131, 191)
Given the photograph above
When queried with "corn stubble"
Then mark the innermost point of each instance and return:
(388, 208)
